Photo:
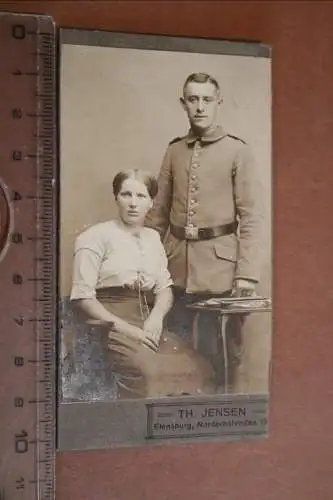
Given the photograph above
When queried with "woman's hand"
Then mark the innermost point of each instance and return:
(153, 327)
(99, 316)
(135, 333)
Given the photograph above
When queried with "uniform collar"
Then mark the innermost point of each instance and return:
(211, 136)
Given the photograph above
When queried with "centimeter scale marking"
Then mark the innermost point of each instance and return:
(28, 264)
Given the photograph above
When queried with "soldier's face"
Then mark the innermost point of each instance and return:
(201, 102)
(133, 202)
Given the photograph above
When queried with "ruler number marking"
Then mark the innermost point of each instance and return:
(19, 320)
(17, 279)
(19, 402)
(21, 442)
(18, 31)
(17, 238)
(18, 361)
(17, 155)
(16, 196)
(17, 113)
(20, 483)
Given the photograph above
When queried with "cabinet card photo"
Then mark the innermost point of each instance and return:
(165, 235)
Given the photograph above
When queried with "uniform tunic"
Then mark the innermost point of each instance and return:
(205, 182)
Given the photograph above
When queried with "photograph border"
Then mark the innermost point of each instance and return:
(98, 425)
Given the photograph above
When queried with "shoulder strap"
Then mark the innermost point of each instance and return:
(236, 138)
(176, 139)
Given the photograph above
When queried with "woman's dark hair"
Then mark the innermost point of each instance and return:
(141, 175)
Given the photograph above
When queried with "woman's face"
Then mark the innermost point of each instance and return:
(133, 202)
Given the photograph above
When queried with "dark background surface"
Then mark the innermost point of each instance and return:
(296, 461)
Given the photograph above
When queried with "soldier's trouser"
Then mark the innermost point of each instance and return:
(181, 320)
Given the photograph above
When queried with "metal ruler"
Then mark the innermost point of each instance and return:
(27, 257)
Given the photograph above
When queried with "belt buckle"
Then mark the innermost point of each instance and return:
(191, 233)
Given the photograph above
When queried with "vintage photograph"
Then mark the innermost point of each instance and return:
(165, 259)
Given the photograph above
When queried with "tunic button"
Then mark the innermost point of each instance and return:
(192, 202)
(193, 177)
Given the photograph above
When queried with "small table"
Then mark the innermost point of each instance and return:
(230, 306)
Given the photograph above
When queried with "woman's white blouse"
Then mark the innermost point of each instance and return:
(107, 255)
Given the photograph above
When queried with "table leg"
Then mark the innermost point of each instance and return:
(195, 332)
(223, 333)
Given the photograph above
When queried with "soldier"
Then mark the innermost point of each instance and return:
(209, 214)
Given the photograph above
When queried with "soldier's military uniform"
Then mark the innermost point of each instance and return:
(209, 213)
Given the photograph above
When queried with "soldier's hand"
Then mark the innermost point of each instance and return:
(243, 288)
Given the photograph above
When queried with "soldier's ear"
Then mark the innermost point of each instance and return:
(182, 102)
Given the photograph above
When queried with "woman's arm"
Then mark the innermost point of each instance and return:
(163, 302)
(163, 293)
(153, 325)
(96, 311)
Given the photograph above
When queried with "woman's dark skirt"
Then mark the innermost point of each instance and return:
(175, 369)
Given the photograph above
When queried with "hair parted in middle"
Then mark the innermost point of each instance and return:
(143, 176)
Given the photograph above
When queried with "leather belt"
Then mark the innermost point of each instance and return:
(202, 233)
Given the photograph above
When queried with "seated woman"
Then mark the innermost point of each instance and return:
(121, 281)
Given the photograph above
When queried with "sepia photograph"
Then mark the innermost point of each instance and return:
(165, 238)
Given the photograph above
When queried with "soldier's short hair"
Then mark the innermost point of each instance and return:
(201, 78)
(141, 175)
